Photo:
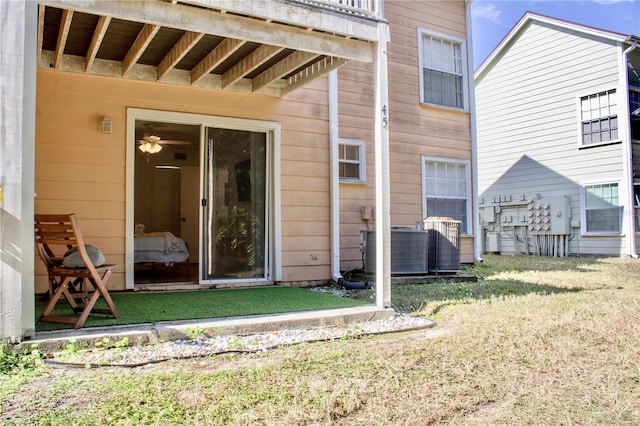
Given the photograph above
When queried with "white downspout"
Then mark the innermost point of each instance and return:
(627, 153)
(336, 275)
(477, 237)
(334, 141)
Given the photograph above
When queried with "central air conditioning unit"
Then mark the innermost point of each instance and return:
(444, 244)
(409, 253)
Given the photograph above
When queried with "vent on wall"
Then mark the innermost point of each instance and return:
(409, 253)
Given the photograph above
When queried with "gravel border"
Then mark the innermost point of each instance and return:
(136, 356)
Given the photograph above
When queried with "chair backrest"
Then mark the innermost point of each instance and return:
(62, 231)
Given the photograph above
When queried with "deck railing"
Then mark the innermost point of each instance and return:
(371, 8)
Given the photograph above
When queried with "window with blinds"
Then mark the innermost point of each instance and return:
(443, 71)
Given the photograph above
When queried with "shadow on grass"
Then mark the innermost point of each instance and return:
(413, 297)
(493, 264)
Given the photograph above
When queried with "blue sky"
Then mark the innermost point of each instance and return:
(493, 19)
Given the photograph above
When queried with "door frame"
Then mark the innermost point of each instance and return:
(273, 130)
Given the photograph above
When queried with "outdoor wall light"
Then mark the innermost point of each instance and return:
(105, 125)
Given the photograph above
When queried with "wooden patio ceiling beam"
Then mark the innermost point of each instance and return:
(96, 41)
(137, 49)
(63, 33)
(215, 58)
(177, 52)
(258, 57)
(109, 68)
(312, 72)
(226, 25)
(282, 68)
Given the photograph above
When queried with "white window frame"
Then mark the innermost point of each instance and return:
(581, 143)
(272, 128)
(467, 167)
(362, 160)
(583, 209)
(463, 52)
(636, 208)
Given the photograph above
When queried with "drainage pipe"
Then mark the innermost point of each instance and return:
(477, 243)
(334, 141)
(627, 153)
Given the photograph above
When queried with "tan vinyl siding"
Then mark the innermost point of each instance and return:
(415, 130)
(81, 170)
(528, 122)
(355, 88)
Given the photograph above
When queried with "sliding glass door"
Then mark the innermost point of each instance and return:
(234, 205)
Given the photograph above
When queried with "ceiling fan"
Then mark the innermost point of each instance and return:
(152, 144)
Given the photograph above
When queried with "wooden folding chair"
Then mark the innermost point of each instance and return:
(55, 233)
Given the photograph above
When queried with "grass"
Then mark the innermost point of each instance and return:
(139, 308)
(535, 341)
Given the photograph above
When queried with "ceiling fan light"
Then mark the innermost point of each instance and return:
(150, 147)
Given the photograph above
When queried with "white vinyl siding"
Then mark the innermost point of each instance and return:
(442, 66)
(598, 118)
(446, 189)
(528, 125)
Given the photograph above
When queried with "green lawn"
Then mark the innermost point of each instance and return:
(534, 341)
(138, 308)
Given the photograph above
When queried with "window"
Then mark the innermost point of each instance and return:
(634, 107)
(599, 118)
(442, 76)
(636, 205)
(602, 210)
(445, 189)
(351, 160)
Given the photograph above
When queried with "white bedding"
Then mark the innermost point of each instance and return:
(161, 247)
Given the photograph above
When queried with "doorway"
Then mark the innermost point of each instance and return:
(167, 159)
(211, 187)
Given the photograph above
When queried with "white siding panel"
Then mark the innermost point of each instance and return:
(528, 124)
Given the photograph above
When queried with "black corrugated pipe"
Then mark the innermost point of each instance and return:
(354, 285)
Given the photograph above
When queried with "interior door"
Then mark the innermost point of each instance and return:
(234, 205)
(166, 201)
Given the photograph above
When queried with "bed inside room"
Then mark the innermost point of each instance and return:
(161, 250)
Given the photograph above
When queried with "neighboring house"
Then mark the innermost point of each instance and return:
(286, 128)
(558, 134)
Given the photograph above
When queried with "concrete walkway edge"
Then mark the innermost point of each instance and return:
(152, 333)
